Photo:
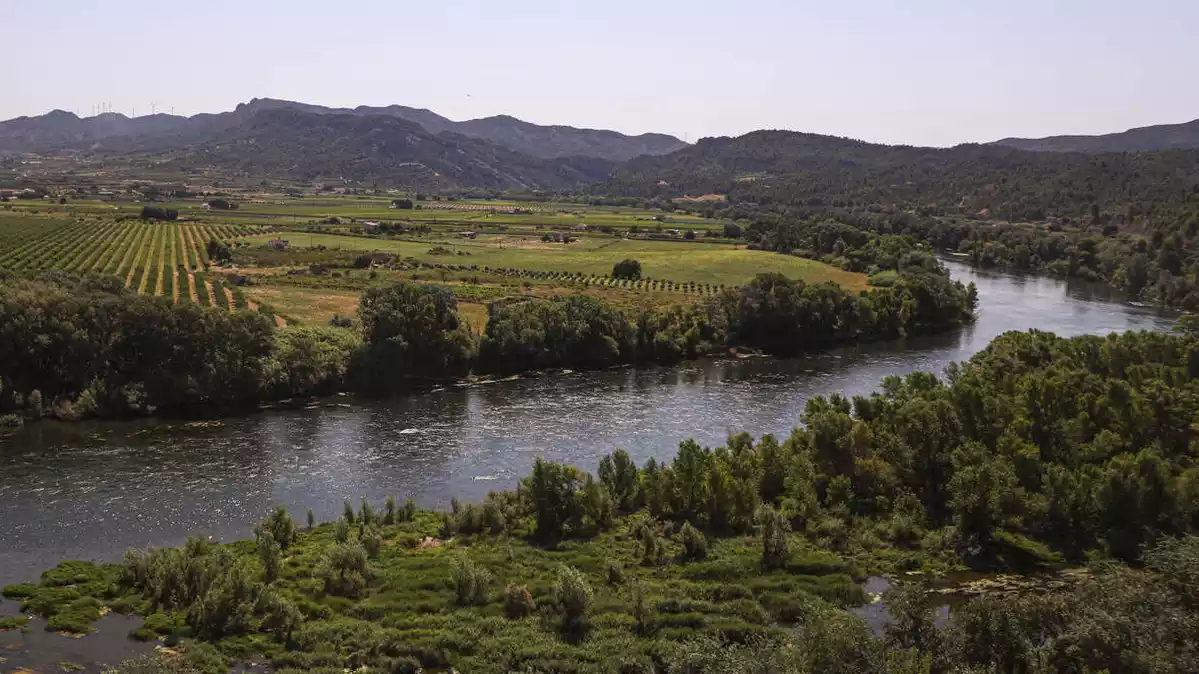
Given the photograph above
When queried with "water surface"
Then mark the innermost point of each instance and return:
(91, 491)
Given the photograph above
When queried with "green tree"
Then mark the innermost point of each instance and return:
(627, 269)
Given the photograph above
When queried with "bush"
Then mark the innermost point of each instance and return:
(344, 570)
(518, 602)
(614, 574)
(341, 532)
(572, 595)
(372, 541)
(774, 527)
(470, 581)
(627, 269)
(695, 544)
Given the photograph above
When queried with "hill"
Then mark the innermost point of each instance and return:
(380, 149)
(1159, 137)
(802, 169)
(59, 130)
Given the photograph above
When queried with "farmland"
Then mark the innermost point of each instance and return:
(162, 259)
(513, 249)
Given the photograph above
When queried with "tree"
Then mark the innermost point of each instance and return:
(551, 490)
(732, 231)
(156, 213)
(405, 204)
(411, 331)
(627, 269)
(221, 204)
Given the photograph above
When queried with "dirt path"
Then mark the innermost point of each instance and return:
(175, 285)
(279, 322)
(229, 296)
(252, 306)
(191, 288)
(211, 295)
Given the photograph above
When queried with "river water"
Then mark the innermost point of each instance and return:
(92, 491)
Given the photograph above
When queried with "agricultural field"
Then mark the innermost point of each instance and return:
(516, 251)
(161, 259)
(678, 261)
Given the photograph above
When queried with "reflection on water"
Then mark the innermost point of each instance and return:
(94, 490)
(36, 650)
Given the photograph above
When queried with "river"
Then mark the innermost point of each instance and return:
(94, 490)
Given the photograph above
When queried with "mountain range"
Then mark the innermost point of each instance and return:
(1160, 137)
(411, 147)
(58, 130)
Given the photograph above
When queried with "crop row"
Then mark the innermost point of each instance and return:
(165, 260)
(648, 284)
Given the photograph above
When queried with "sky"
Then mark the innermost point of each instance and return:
(921, 72)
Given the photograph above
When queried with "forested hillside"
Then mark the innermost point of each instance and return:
(384, 150)
(59, 130)
(1128, 220)
(1158, 137)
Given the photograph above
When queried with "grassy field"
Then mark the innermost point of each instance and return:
(677, 261)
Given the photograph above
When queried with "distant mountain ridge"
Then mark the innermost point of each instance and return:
(1183, 136)
(59, 130)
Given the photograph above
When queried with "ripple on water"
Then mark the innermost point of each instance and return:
(95, 490)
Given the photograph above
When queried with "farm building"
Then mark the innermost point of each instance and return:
(371, 226)
(468, 235)
(277, 244)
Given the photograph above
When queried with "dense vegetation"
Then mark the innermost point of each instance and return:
(738, 558)
(84, 345)
(1128, 220)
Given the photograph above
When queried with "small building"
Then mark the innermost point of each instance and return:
(277, 244)
(371, 226)
(468, 235)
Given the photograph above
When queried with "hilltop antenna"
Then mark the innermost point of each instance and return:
(153, 107)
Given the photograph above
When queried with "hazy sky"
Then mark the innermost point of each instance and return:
(929, 72)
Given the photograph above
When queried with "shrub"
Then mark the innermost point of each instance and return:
(470, 581)
(281, 527)
(366, 516)
(695, 544)
(344, 570)
(372, 541)
(389, 511)
(518, 602)
(348, 511)
(270, 554)
(774, 528)
(311, 518)
(614, 574)
(341, 533)
(572, 595)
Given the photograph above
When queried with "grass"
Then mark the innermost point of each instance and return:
(412, 611)
(309, 306)
(677, 261)
(13, 623)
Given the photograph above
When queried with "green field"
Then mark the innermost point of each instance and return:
(669, 260)
(284, 211)
(162, 259)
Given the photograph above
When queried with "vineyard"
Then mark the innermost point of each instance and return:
(161, 259)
